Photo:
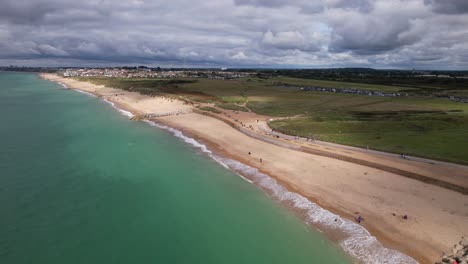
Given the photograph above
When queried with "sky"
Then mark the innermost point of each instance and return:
(402, 34)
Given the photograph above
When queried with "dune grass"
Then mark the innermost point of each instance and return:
(210, 109)
(231, 106)
(422, 126)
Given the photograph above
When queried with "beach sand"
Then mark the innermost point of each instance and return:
(437, 217)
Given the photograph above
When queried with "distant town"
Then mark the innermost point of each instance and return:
(445, 84)
(141, 72)
(153, 73)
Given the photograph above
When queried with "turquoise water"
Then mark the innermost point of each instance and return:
(80, 183)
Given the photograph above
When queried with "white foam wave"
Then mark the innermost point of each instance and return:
(180, 135)
(83, 92)
(124, 112)
(196, 144)
(64, 85)
(357, 241)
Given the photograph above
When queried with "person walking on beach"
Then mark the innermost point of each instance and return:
(359, 219)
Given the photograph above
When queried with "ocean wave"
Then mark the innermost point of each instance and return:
(180, 135)
(124, 112)
(64, 85)
(356, 241)
(83, 92)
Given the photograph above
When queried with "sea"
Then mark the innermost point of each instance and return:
(82, 183)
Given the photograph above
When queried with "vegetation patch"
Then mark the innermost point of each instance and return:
(426, 126)
(233, 107)
(143, 86)
(210, 109)
(437, 135)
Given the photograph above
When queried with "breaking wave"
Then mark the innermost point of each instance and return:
(124, 112)
(64, 85)
(83, 92)
(356, 240)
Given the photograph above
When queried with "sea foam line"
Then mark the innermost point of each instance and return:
(64, 85)
(124, 112)
(84, 92)
(358, 242)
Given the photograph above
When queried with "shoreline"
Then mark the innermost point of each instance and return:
(392, 238)
(454, 182)
(334, 234)
(295, 202)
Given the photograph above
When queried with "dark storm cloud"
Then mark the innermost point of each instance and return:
(448, 6)
(265, 3)
(23, 12)
(321, 33)
(373, 33)
(361, 5)
(304, 5)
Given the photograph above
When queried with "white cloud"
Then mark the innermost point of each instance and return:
(324, 33)
(239, 56)
(288, 40)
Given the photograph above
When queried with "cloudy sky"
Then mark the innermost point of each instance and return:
(423, 34)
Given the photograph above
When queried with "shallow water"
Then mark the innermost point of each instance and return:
(80, 183)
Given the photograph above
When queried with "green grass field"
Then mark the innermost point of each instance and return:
(338, 85)
(438, 135)
(232, 106)
(422, 126)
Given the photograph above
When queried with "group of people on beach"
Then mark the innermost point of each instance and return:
(238, 121)
(359, 219)
(261, 160)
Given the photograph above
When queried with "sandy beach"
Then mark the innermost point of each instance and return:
(437, 216)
